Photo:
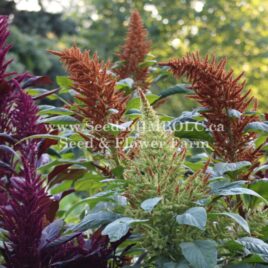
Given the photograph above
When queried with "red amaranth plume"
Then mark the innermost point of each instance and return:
(220, 93)
(23, 218)
(23, 200)
(23, 212)
(17, 110)
(101, 102)
(18, 120)
(94, 85)
(4, 49)
(134, 51)
(24, 124)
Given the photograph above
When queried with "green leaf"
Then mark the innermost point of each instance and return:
(255, 246)
(259, 127)
(48, 109)
(261, 141)
(233, 246)
(77, 162)
(147, 63)
(118, 172)
(260, 168)
(199, 157)
(261, 187)
(239, 191)
(125, 84)
(165, 118)
(240, 220)
(190, 116)
(177, 89)
(113, 111)
(92, 200)
(254, 258)
(133, 111)
(245, 265)
(115, 129)
(93, 220)
(42, 136)
(200, 253)
(162, 76)
(60, 120)
(150, 56)
(192, 131)
(234, 113)
(59, 188)
(149, 204)
(88, 182)
(196, 216)
(194, 166)
(119, 228)
(222, 168)
(64, 82)
(219, 185)
(135, 103)
(167, 263)
(36, 91)
(118, 64)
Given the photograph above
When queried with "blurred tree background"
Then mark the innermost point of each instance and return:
(235, 29)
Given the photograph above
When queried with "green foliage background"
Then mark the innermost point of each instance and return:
(234, 29)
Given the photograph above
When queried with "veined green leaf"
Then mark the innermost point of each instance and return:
(177, 89)
(200, 253)
(60, 120)
(64, 82)
(149, 204)
(234, 113)
(222, 168)
(196, 216)
(136, 104)
(48, 109)
(94, 220)
(119, 228)
(260, 127)
(192, 131)
(240, 220)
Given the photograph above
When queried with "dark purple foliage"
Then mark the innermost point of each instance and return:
(26, 209)
(24, 124)
(17, 110)
(24, 219)
(4, 47)
(96, 251)
(24, 201)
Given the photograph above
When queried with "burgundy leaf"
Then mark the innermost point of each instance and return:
(36, 81)
(57, 170)
(51, 232)
(61, 240)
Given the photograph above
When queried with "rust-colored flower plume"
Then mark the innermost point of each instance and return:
(101, 102)
(95, 86)
(133, 52)
(220, 93)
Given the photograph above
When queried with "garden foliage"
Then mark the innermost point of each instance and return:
(106, 181)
